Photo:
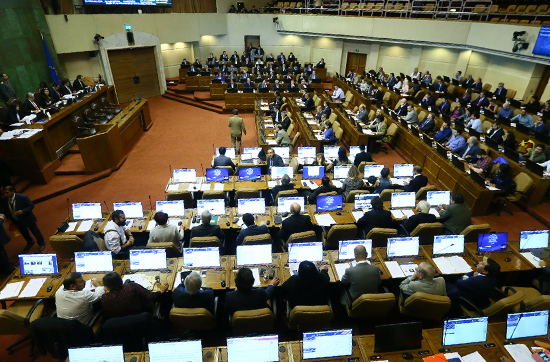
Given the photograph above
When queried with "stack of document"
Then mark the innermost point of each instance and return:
(85, 225)
(308, 183)
(531, 258)
(400, 270)
(452, 265)
(324, 219)
(337, 183)
(357, 214)
(519, 352)
(398, 214)
(11, 290)
(401, 181)
(173, 187)
(139, 278)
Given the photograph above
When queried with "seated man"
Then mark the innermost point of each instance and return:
(284, 186)
(428, 124)
(476, 286)
(541, 127)
(72, 301)
(457, 216)
(495, 132)
(484, 163)
(295, 223)
(475, 122)
(481, 102)
(444, 132)
(362, 156)
(282, 139)
(309, 103)
(362, 114)
(418, 181)
(536, 154)
(222, 159)
(191, 294)
(412, 116)
(273, 159)
(165, 233)
(360, 279)
(78, 83)
(445, 106)
(456, 141)
(324, 188)
(524, 119)
(251, 229)
(428, 100)
(376, 218)
(117, 235)
(205, 229)
(245, 297)
(308, 287)
(423, 216)
(338, 94)
(423, 281)
(505, 112)
(468, 150)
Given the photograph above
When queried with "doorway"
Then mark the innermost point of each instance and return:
(134, 73)
(254, 39)
(357, 62)
(543, 83)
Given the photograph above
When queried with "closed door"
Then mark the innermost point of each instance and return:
(357, 62)
(134, 73)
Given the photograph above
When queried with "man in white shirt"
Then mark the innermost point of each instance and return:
(338, 94)
(116, 232)
(72, 301)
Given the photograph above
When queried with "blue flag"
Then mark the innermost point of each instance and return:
(51, 66)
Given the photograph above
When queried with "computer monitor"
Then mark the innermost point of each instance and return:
(284, 152)
(372, 170)
(363, 201)
(131, 210)
(215, 206)
(250, 173)
(341, 172)
(533, 239)
(217, 174)
(229, 152)
(331, 151)
(458, 163)
(254, 151)
(147, 259)
(254, 254)
(492, 242)
(464, 331)
(403, 200)
(438, 198)
(201, 257)
(252, 206)
(313, 172)
(527, 324)
(253, 349)
(311, 251)
(327, 344)
(330, 203)
(441, 150)
(38, 264)
(398, 247)
(278, 172)
(353, 151)
(397, 337)
(346, 247)
(403, 170)
(307, 152)
(283, 203)
(93, 261)
(190, 351)
(185, 175)
(448, 244)
(172, 207)
(87, 211)
(103, 353)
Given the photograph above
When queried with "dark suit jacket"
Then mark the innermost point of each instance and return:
(78, 85)
(276, 189)
(232, 85)
(208, 230)
(362, 156)
(418, 219)
(306, 292)
(429, 102)
(223, 161)
(427, 126)
(321, 190)
(23, 203)
(248, 85)
(64, 90)
(310, 105)
(445, 107)
(475, 289)
(252, 299)
(500, 92)
(402, 111)
(484, 102)
(295, 224)
(467, 83)
(327, 111)
(441, 87)
(496, 135)
(250, 231)
(477, 86)
(378, 95)
(277, 161)
(285, 123)
(375, 219)
(203, 299)
(12, 117)
(27, 108)
(472, 152)
(361, 279)
(416, 183)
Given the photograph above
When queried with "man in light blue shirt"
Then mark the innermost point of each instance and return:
(524, 119)
(456, 141)
(505, 112)
(475, 123)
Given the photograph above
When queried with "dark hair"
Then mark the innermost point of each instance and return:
(325, 181)
(9, 188)
(55, 84)
(248, 219)
(540, 145)
(244, 280)
(161, 218)
(2, 74)
(377, 203)
(492, 267)
(112, 281)
(235, 112)
(481, 152)
(417, 169)
(65, 81)
(362, 147)
(116, 214)
(221, 150)
(385, 172)
(504, 169)
(457, 198)
(342, 154)
(307, 271)
(71, 279)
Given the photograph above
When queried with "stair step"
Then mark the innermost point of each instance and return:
(191, 102)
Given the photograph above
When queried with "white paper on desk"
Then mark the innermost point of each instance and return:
(394, 269)
(313, 185)
(357, 214)
(444, 265)
(11, 290)
(397, 214)
(434, 212)
(460, 265)
(320, 137)
(85, 225)
(408, 268)
(324, 219)
(337, 183)
(408, 212)
(256, 275)
(269, 125)
(399, 181)
(138, 278)
(271, 142)
(368, 132)
(173, 188)
(194, 187)
(206, 187)
(218, 187)
(473, 357)
(32, 288)
(455, 355)
(311, 122)
(529, 256)
(72, 226)
(271, 183)
(16, 124)
(264, 108)
(29, 118)
(519, 352)
(177, 279)
(492, 188)
(341, 269)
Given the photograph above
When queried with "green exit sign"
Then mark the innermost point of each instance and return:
(357, 50)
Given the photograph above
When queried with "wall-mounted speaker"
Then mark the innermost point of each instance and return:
(130, 37)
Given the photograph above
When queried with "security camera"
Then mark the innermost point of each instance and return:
(98, 37)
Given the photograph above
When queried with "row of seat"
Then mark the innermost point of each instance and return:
(99, 113)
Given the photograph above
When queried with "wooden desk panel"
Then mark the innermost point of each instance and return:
(55, 280)
(366, 343)
(165, 277)
(264, 282)
(198, 83)
(217, 90)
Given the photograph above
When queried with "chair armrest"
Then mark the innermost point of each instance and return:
(94, 318)
(506, 290)
(324, 230)
(446, 229)
(463, 300)
(287, 309)
(274, 306)
(216, 299)
(31, 311)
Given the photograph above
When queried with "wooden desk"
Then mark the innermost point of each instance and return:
(213, 277)
(285, 269)
(516, 263)
(150, 275)
(285, 354)
(275, 266)
(381, 254)
(217, 90)
(333, 256)
(514, 246)
(366, 343)
(55, 280)
(199, 82)
(222, 219)
(259, 219)
(345, 216)
(254, 185)
(427, 251)
(99, 223)
(498, 332)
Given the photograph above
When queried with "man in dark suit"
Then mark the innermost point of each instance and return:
(324, 188)
(222, 159)
(362, 156)
(65, 88)
(482, 101)
(468, 151)
(274, 160)
(377, 94)
(18, 210)
(496, 132)
(245, 297)
(428, 124)
(285, 123)
(500, 91)
(476, 286)
(248, 84)
(309, 104)
(6, 89)
(376, 218)
(29, 106)
(467, 83)
(440, 87)
(205, 229)
(251, 229)
(445, 107)
(191, 294)
(417, 182)
(402, 109)
(284, 186)
(78, 83)
(428, 100)
(277, 86)
(232, 84)
(295, 223)
(197, 63)
(361, 279)
(185, 63)
(477, 85)
(423, 216)
(6, 267)
(326, 109)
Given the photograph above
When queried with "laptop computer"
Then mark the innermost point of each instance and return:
(331, 152)
(103, 353)
(190, 351)
(147, 259)
(252, 206)
(464, 331)
(327, 344)
(415, 131)
(401, 247)
(523, 129)
(254, 254)
(346, 248)
(313, 172)
(511, 154)
(283, 204)
(250, 173)
(403, 200)
(534, 241)
(438, 198)
(535, 167)
(403, 170)
(201, 257)
(215, 206)
(397, 337)
(217, 174)
(254, 349)
(363, 201)
(442, 151)
(38, 264)
(527, 324)
(132, 210)
(492, 242)
(491, 143)
(93, 261)
(87, 211)
(330, 203)
(474, 133)
(448, 244)
(172, 207)
(478, 179)
(427, 140)
(184, 175)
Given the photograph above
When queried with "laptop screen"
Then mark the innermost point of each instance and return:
(329, 203)
(403, 170)
(254, 151)
(93, 261)
(307, 152)
(36, 264)
(492, 242)
(201, 257)
(346, 247)
(283, 203)
(104, 353)
(279, 172)
(190, 351)
(397, 337)
(172, 208)
(252, 206)
(284, 152)
(533, 239)
(87, 211)
(217, 174)
(403, 246)
(229, 152)
(215, 206)
(313, 172)
(147, 259)
(298, 252)
(464, 331)
(253, 349)
(253, 254)
(372, 170)
(527, 324)
(438, 198)
(331, 151)
(353, 151)
(250, 173)
(327, 344)
(185, 175)
(341, 172)
(403, 199)
(363, 201)
(131, 210)
(448, 244)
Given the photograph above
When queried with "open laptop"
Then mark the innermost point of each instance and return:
(491, 143)
(346, 247)
(190, 351)
(283, 204)
(252, 206)
(173, 207)
(215, 206)
(464, 331)
(400, 247)
(250, 173)
(372, 170)
(131, 210)
(527, 324)
(535, 168)
(403, 200)
(254, 254)
(103, 353)
(535, 241)
(201, 257)
(331, 152)
(217, 174)
(93, 261)
(254, 151)
(478, 179)
(363, 201)
(313, 172)
(327, 344)
(298, 252)
(511, 154)
(448, 244)
(229, 152)
(38, 264)
(307, 155)
(403, 170)
(277, 173)
(492, 242)
(147, 259)
(353, 151)
(458, 163)
(330, 203)
(253, 349)
(397, 337)
(438, 198)
(87, 211)
(185, 175)
(341, 172)
(442, 151)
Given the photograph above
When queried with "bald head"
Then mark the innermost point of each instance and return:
(426, 271)
(360, 253)
(206, 216)
(295, 208)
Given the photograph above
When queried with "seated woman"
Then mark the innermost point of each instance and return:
(245, 297)
(308, 287)
(509, 140)
(329, 133)
(342, 159)
(458, 111)
(493, 107)
(220, 76)
(164, 233)
(383, 182)
(45, 100)
(13, 115)
(405, 88)
(352, 182)
(503, 180)
(321, 161)
(467, 97)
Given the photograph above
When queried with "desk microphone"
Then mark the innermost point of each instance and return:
(65, 225)
(202, 169)
(150, 203)
(447, 247)
(170, 170)
(107, 207)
